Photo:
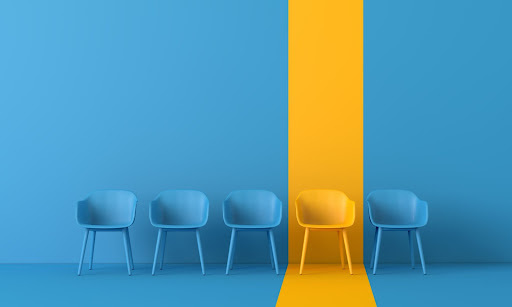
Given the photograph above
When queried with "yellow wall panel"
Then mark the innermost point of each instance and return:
(325, 116)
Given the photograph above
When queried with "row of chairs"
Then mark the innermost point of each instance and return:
(257, 210)
(178, 210)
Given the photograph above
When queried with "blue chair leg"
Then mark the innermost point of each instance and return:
(158, 239)
(86, 236)
(200, 250)
(377, 249)
(127, 251)
(270, 250)
(164, 243)
(231, 247)
(234, 252)
(373, 247)
(130, 247)
(92, 249)
(411, 247)
(420, 249)
(271, 232)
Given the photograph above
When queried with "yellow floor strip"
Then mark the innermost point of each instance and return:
(325, 285)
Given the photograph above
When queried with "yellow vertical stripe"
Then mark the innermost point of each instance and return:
(325, 146)
(325, 115)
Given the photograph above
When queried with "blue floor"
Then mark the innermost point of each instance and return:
(110, 285)
(444, 285)
(248, 285)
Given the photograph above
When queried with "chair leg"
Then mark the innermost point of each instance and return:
(92, 249)
(274, 253)
(342, 254)
(164, 243)
(158, 239)
(84, 245)
(304, 248)
(374, 246)
(411, 247)
(420, 249)
(200, 250)
(130, 247)
(231, 247)
(234, 252)
(377, 249)
(270, 250)
(126, 250)
(345, 238)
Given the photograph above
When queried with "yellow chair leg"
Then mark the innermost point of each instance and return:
(342, 253)
(304, 247)
(348, 251)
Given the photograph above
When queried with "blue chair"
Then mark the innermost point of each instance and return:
(178, 210)
(252, 210)
(108, 210)
(397, 210)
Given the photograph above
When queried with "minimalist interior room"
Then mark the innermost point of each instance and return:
(255, 153)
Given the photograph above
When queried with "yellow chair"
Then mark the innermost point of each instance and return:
(326, 210)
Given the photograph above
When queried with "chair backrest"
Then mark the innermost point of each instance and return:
(324, 207)
(108, 208)
(252, 208)
(397, 207)
(179, 207)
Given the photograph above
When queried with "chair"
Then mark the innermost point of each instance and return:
(396, 210)
(325, 210)
(256, 210)
(178, 210)
(108, 210)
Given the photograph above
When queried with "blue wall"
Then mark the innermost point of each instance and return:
(149, 96)
(144, 96)
(437, 121)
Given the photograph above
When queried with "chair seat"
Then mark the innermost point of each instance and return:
(185, 226)
(239, 226)
(312, 226)
(398, 227)
(105, 227)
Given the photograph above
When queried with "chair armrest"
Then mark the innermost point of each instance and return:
(351, 212)
(153, 218)
(423, 209)
(82, 213)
